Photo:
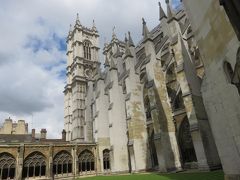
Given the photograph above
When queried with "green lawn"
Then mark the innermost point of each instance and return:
(216, 175)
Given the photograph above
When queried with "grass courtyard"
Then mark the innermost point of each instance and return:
(216, 175)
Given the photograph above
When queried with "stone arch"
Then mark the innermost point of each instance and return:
(62, 163)
(7, 166)
(152, 147)
(178, 102)
(147, 107)
(34, 165)
(185, 142)
(86, 161)
(106, 159)
(228, 71)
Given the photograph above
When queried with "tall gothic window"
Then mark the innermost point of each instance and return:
(7, 166)
(87, 50)
(62, 163)
(34, 165)
(185, 142)
(106, 159)
(86, 161)
(147, 108)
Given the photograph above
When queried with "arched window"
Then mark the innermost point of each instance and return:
(153, 151)
(178, 101)
(62, 163)
(185, 142)
(106, 159)
(7, 166)
(34, 165)
(228, 71)
(147, 108)
(87, 50)
(86, 161)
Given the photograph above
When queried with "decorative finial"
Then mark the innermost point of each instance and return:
(113, 33)
(130, 41)
(125, 38)
(145, 31)
(77, 20)
(94, 26)
(169, 10)
(161, 12)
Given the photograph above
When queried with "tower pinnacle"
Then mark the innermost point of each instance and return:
(114, 36)
(169, 10)
(145, 31)
(77, 20)
(130, 41)
(94, 28)
(161, 12)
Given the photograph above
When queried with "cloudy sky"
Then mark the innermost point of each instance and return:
(32, 51)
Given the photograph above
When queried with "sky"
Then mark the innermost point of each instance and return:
(33, 51)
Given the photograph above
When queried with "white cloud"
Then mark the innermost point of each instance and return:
(32, 59)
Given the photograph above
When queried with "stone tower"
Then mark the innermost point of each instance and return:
(82, 59)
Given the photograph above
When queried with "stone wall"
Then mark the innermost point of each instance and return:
(218, 44)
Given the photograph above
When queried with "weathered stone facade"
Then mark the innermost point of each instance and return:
(47, 160)
(10, 127)
(219, 47)
(145, 106)
(169, 103)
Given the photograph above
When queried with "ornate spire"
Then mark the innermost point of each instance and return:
(77, 20)
(94, 26)
(130, 41)
(114, 36)
(169, 10)
(70, 30)
(126, 40)
(161, 12)
(145, 32)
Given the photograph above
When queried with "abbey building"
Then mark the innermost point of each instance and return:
(144, 109)
(167, 103)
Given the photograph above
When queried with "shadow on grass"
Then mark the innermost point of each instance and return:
(216, 175)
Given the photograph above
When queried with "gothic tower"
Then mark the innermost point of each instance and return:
(82, 60)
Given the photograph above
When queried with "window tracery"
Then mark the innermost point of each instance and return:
(7, 166)
(34, 165)
(87, 50)
(86, 161)
(106, 159)
(62, 163)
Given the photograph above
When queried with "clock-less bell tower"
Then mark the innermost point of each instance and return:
(82, 60)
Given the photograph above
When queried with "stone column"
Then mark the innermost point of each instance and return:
(49, 168)
(19, 167)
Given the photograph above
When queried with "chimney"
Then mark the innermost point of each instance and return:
(33, 134)
(63, 135)
(43, 134)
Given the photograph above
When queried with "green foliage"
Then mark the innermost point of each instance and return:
(216, 175)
